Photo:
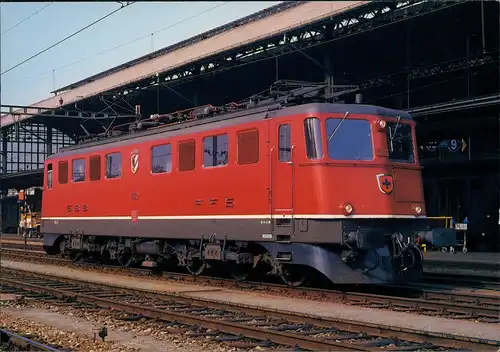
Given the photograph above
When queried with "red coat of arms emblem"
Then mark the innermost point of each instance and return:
(385, 183)
(134, 161)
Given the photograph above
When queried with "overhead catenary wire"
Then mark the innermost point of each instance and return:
(27, 18)
(67, 37)
(126, 43)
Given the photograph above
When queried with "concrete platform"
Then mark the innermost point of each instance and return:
(103, 278)
(21, 242)
(13, 236)
(315, 308)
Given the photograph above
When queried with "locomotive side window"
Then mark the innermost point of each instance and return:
(95, 167)
(186, 155)
(248, 147)
(49, 176)
(113, 165)
(63, 172)
(314, 144)
(78, 173)
(284, 142)
(400, 142)
(161, 158)
(349, 139)
(215, 150)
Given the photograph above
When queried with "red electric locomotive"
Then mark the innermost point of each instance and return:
(285, 184)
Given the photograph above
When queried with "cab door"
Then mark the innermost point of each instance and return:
(282, 181)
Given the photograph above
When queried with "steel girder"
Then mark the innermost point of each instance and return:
(365, 18)
(64, 113)
(432, 70)
(115, 110)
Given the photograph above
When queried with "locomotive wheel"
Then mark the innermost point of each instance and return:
(126, 259)
(195, 266)
(75, 256)
(240, 272)
(293, 275)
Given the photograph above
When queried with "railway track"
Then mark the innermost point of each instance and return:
(415, 299)
(474, 281)
(244, 326)
(10, 341)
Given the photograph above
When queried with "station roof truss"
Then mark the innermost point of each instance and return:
(359, 18)
(117, 103)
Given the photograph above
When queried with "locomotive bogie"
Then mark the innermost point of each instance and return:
(317, 187)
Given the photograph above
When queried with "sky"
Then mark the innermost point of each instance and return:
(91, 51)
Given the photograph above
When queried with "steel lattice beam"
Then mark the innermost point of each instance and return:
(365, 18)
(65, 113)
(431, 70)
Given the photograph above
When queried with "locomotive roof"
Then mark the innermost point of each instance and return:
(228, 120)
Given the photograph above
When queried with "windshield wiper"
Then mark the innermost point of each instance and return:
(336, 128)
(396, 128)
(393, 133)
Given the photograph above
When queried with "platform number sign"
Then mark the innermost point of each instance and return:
(454, 145)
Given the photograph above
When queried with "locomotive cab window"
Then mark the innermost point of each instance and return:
(349, 139)
(161, 159)
(284, 143)
(314, 143)
(248, 147)
(215, 150)
(186, 155)
(63, 172)
(113, 165)
(95, 167)
(78, 170)
(49, 175)
(400, 142)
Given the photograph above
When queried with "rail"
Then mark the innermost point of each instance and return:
(412, 298)
(12, 339)
(269, 326)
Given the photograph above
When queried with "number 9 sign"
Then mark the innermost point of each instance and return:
(453, 145)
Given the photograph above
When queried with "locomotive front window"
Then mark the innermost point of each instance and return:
(400, 142)
(349, 139)
(314, 144)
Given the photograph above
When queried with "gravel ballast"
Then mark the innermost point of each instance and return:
(74, 328)
(323, 309)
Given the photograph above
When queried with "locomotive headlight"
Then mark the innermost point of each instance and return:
(381, 124)
(348, 208)
(417, 209)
